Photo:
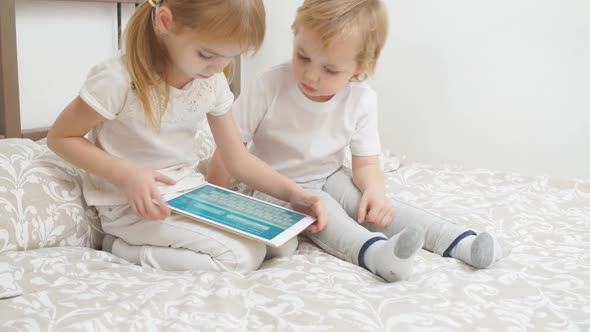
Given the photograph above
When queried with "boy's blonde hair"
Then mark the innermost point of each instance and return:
(341, 19)
(233, 21)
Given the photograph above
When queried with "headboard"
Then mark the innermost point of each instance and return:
(10, 114)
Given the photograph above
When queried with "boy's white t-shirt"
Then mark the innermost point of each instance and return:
(129, 135)
(302, 139)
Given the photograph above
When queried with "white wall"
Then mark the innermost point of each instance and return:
(502, 84)
(278, 41)
(497, 84)
(57, 43)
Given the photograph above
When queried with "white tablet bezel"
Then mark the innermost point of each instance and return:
(276, 241)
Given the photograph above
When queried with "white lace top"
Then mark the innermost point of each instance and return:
(129, 135)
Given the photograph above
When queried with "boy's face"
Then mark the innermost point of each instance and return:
(320, 73)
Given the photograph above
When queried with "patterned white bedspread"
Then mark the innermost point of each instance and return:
(544, 285)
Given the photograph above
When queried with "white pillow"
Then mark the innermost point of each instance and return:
(41, 202)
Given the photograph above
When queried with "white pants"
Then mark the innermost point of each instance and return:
(179, 244)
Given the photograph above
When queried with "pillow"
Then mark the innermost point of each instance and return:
(41, 202)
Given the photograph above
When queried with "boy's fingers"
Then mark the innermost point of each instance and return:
(382, 217)
(361, 216)
(373, 216)
(388, 217)
(362, 212)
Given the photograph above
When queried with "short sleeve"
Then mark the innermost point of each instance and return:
(365, 140)
(223, 96)
(250, 108)
(106, 88)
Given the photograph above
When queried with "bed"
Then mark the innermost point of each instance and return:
(52, 277)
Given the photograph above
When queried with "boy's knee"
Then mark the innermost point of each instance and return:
(340, 180)
(341, 187)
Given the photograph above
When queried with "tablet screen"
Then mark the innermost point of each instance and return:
(237, 211)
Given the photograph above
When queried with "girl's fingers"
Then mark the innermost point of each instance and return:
(151, 210)
(162, 206)
(164, 179)
(321, 216)
(134, 209)
(140, 208)
(306, 200)
(148, 209)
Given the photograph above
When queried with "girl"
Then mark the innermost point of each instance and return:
(300, 117)
(141, 110)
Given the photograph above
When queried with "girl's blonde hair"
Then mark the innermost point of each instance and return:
(341, 19)
(232, 21)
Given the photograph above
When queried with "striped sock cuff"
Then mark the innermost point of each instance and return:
(366, 246)
(447, 252)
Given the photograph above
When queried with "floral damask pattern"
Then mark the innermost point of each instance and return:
(543, 285)
(41, 203)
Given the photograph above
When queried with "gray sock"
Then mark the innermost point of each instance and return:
(393, 259)
(480, 251)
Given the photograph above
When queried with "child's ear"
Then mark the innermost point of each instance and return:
(359, 75)
(164, 19)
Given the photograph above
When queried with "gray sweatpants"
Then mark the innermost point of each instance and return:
(344, 238)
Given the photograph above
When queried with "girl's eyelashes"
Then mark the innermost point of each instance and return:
(205, 56)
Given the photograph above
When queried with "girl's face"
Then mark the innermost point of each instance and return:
(320, 73)
(190, 57)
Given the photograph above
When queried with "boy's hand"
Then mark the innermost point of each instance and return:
(139, 185)
(375, 208)
(308, 203)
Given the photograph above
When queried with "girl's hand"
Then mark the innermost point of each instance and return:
(308, 203)
(375, 208)
(139, 185)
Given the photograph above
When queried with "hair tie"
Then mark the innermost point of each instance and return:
(154, 3)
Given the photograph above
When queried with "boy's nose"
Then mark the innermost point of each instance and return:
(310, 74)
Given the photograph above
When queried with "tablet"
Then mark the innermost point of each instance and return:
(241, 214)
